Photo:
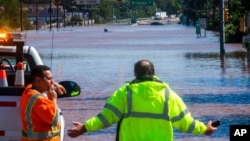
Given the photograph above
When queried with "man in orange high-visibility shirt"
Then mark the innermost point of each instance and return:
(38, 107)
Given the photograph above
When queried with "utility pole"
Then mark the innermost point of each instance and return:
(222, 33)
(36, 14)
(57, 20)
(50, 11)
(64, 14)
(248, 34)
(21, 15)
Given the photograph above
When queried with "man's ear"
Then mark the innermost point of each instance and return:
(38, 79)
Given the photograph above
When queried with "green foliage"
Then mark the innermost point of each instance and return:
(112, 10)
(10, 17)
(105, 10)
(76, 20)
(210, 9)
(232, 32)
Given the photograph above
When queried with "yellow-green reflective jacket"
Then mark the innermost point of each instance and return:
(148, 111)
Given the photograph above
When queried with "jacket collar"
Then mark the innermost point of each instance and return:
(146, 78)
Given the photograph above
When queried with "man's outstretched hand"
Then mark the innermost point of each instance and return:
(210, 129)
(79, 129)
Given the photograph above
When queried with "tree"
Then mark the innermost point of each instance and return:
(10, 17)
(170, 6)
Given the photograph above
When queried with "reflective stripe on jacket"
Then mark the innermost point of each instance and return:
(39, 117)
(148, 111)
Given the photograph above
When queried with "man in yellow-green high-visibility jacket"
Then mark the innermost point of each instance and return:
(145, 109)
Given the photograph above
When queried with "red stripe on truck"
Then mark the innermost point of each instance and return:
(2, 133)
(7, 104)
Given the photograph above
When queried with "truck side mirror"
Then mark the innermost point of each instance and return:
(72, 88)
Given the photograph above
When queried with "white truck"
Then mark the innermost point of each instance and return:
(12, 51)
(160, 16)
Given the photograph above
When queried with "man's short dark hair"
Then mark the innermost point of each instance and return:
(144, 67)
(38, 71)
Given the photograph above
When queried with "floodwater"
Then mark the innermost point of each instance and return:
(100, 62)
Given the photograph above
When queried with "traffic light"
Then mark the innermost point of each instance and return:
(242, 24)
(226, 15)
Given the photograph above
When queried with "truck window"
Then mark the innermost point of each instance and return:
(10, 62)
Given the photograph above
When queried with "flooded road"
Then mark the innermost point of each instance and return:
(100, 62)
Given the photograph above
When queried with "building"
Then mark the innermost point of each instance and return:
(39, 14)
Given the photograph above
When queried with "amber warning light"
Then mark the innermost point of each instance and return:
(2, 35)
(5, 39)
(10, 38)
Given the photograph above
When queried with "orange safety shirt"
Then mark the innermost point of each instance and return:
(39, 115)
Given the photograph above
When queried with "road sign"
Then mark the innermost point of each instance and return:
(246, 42)
(141, 2)
(83, 2)
(203, 22)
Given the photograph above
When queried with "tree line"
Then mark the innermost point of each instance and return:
(109, 10)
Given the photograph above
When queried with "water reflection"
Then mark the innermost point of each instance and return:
(239, 57)
(235, 69)
(229, 98)
(214, 55)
